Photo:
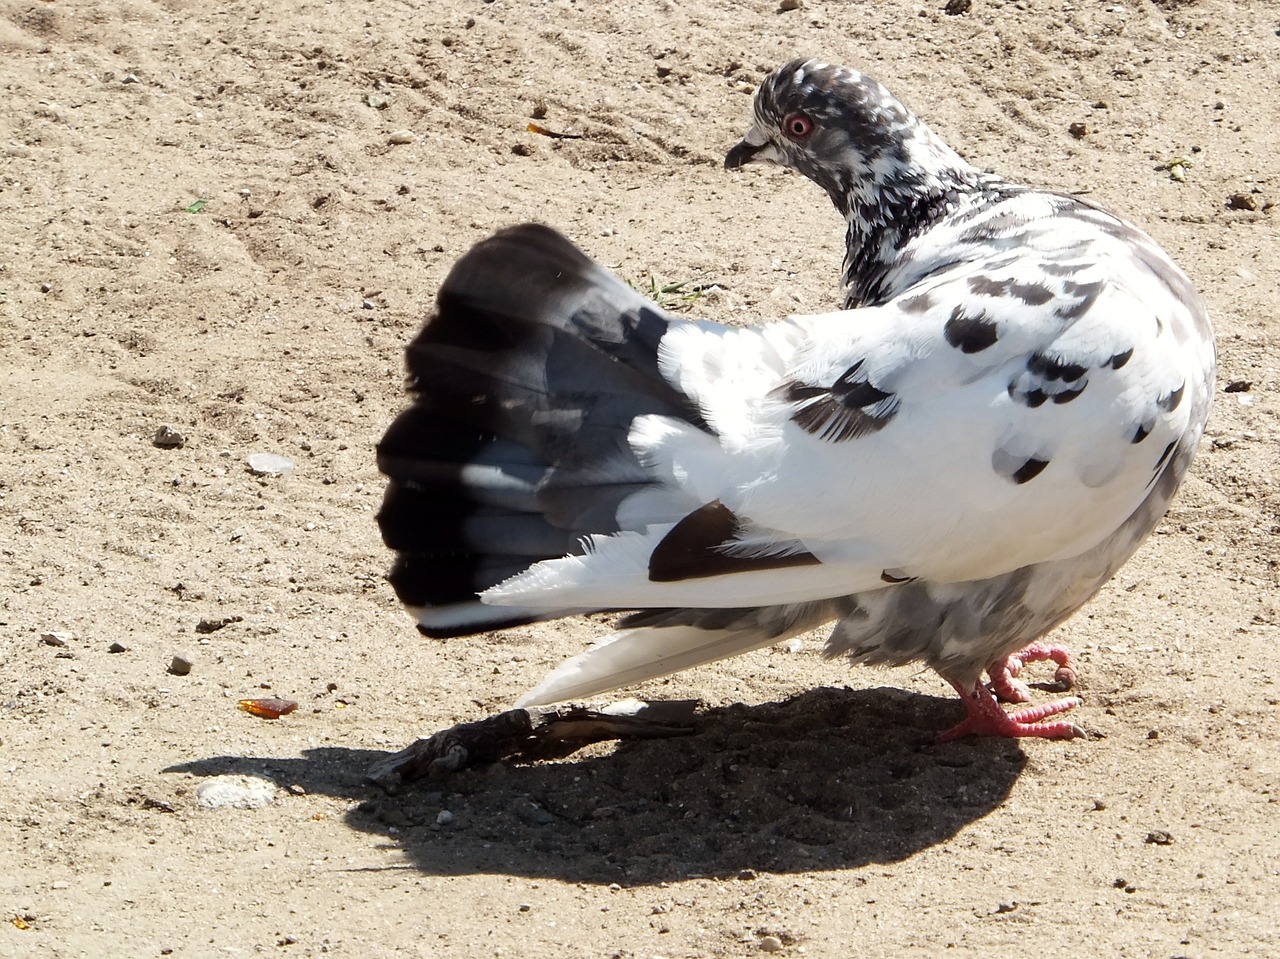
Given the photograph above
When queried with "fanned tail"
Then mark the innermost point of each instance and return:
(526, 381)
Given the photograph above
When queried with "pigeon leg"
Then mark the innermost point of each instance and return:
(1004, 672)
(986, 718)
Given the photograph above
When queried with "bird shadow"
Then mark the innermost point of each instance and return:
(830, 778)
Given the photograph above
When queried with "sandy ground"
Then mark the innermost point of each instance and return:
(204, 225)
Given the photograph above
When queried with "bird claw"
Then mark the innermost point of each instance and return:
(985, 717)
(1004, 672)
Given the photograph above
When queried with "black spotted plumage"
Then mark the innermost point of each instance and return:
(948, 468)
(847, 409)
(970, 333)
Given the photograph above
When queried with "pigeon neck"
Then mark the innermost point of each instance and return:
(883, 218)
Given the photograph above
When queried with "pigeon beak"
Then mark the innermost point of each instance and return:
(755, 147)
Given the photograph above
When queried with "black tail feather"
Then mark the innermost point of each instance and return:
(527, 381)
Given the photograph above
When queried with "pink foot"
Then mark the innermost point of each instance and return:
(986, 718)
(1003, 672)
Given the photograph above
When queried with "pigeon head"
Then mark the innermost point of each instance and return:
(888, 174)
(847, 133)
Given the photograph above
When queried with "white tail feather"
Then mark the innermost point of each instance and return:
(631, 656)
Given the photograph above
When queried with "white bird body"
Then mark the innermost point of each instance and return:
(949, 467)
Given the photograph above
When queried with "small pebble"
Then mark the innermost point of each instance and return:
(1242, 201)
(206, 626)
(117, 648)
(167, 438)
(444, 817)
(55, 639)
(770, 944)
(530, 812)
(401, 137)
(1160, 837)
(180, 665)
(786, 5)
(368, 305)
(269, 464)
(235, 792)
(1079, 130)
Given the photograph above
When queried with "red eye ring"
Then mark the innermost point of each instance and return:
(797, 126)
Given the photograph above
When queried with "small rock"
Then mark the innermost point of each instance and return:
(206, 626)
(55, 639)
(530, 812)
(167, 438)
(770, 944)
(1242, 201)
(377, 101)
(786, 5)
(117, 648)
(180, 665)
(955, 8)
(235, 792)
(522, 149)
(368, 305)
(1160, 837)
(444, 817)
(46, 287)
(402, 137)
(1238, 386)
(269, 464)
(1079, 130)
(295, 789)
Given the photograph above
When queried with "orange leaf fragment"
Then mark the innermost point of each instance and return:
(20, 923)
(268, 708)
(543, 131)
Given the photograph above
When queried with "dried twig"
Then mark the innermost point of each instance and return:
(526, 735)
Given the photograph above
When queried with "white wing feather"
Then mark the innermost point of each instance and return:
(929, 495)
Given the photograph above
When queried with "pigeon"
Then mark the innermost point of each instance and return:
(947, 467)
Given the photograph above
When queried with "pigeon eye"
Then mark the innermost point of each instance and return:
(797, 126)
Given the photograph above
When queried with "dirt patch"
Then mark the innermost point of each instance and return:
(207, 226)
